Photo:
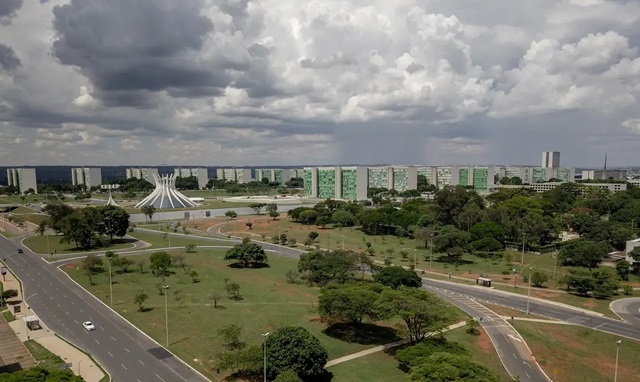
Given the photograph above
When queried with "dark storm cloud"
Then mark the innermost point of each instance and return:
(145, 45)
(8, 58)
(8, 9)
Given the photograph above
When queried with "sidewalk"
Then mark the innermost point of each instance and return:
(80, 363)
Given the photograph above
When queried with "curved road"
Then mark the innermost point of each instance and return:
(125, 352)
(628, 309)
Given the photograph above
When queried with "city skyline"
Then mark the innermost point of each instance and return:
(251, 82)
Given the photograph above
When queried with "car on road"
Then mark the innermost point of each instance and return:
(88, 326)
(20, 250)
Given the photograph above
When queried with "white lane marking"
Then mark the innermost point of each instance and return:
(64, 295)
(66, 312)
(108, 352)
(160, 378)
(141, 362)
(76, 321)
(527, 375)
(514, 354)
(51, 298)
(113, 338)
(127, 350)
(59, 306)
(124, 367)
(81, 311)
(515, 338)
(139, 380)
(73, 303)
(99, 343)
(38, 285)
(101, 328)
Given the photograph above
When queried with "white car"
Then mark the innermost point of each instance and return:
(88, 326)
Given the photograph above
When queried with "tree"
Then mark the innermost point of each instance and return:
(395, 277)
(347, 303)
(80, 227)
(230, 335)
(148, 211)
(606, 282)
(247, 254)
(160, 263)
(292, 276)
(271, 207)
(583, 253)
(140, 263)
(189, 248)
(274, 214)
(451, 200)
(91, 265)
(308, 216)
(313, 235)
(246, 360)
(257, 207)
(42, 228)
(288, 376)
(57, 212)
(343, 218)
(323, 221)
(231, 214)
(635, 256)
(321, 267)
(623, 268)
(114, 221)
(215, 297)
(538, 279)
(487, 244)
(295, 348)
(233, 289)
(123, 263)
(194, 276)
(472, 326)
(249, 225)
(453, 242)
(445, 367)
(39, 374)
(422, 312)
(140, 299)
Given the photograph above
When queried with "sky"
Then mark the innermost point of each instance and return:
(289, 82)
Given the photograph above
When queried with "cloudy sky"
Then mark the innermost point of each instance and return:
(256, 82)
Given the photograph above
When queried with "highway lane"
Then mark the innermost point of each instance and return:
(547, 309)
(515, 355)
(126, 353)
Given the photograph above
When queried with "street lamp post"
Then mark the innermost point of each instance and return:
(26, 304)
(615, 375)
(515, 278)
(166, 313)
(343, 242)
(415, 262)
(265, 335)
(529, 290)
(555, 264)
(523, 241)
(431, 254)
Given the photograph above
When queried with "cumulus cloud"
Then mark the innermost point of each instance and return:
(324, 81)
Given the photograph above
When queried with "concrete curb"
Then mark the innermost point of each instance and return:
(618, 300)
(136, 328)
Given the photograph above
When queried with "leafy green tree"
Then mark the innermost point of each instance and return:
(295, 348)
(244, 361)
(452, 241)
(114, 221)
(313, 235)
(139, 300)
(396, 277)
(446, 367)
(233, 289)
(538, 278)
(487, 229)
(623, 268)
(422, 312)
(321, 267)
(351, 303)
(231, 214)
(414, 354)
(148, 211)
(635, 256)
(322, 221)
(271, 207)
(451, 200)
(583, 253)
(288, 376)
(487, 244)
(230, 336)
(257, 207)
(159, 262)
(342, 218)
(247, 254)
(606, 282)
(274, 214)
(39, 374)
(470, 215)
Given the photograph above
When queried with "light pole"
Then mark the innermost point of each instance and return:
(79, 363)
(265, 335)
(343, 242)
(26, 304)
(529, 291)
(110, 255)
(166, 313)
(555, 264)
(515, 278)
(431, 254)
(523, 241)
(415, 262)
(615, 375)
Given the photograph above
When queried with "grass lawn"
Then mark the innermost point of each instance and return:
(8, 234)
(580, 354)
(43, 357)
(15, 199)
(23, 210)
(158, 241)
(269, 302)
(34, 218)
(482, 350)
(8, 316)
(38, 244)
(376, 367)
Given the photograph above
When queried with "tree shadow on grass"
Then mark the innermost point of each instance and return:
(144, 310)
(447, 260)
(253, 266)
(364, 334)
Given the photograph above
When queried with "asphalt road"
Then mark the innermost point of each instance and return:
(628, 309)
(126, 353)
(516, 357)
(547, 309)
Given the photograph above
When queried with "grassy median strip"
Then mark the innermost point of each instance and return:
(43, 357)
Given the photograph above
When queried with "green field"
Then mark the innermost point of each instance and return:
(38, 244)
(482, 350)
(580, 354)
(269, 302)
(157, 240)
(376, 367)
